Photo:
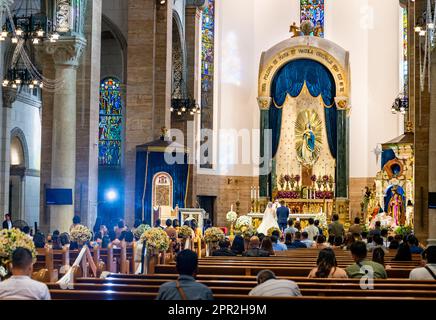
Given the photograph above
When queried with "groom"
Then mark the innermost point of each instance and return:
(282, 215)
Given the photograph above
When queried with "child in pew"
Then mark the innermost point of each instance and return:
(327, 266)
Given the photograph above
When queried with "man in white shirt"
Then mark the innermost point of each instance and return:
(429, 271)
(270, 286)
(20, 286)
(312, 230)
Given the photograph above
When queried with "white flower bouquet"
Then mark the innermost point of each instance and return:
(11, 240)
(185, 232)
(243, 221)
(80, 234)
(231, 216)
(156, 239)
(213, 235)
(140, 230)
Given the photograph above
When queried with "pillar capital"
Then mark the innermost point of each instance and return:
(264, 102)
(9, 96)
(67, 51)
(343, 104)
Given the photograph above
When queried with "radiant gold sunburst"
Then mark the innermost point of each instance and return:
(308, 137)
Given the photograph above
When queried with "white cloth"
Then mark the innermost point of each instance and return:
(422, 273)
(269, 220)
(23, 288)
(312, 231)
(276, 288)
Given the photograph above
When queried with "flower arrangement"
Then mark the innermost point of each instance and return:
(313, 178)
(185, 232)
(322, 218)
(140, 230)
(324, 195)
(287, 178)
(156, 238)
(247, 232)
(282, 181)
(243, 221)
(297, 178)
(325, 178)
(231, 216)
(288, 195)
(9, 241)
(271, 230)
(403, 231)
(80, 234)
(213, 235)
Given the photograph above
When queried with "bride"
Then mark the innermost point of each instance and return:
(269, 220)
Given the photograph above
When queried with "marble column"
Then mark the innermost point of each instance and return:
(342, 158)
(66, 55)
(264, 105)
(9, 95)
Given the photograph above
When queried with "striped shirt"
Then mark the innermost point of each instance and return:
(276, 288)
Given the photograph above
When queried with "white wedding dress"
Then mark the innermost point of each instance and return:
(269, 220)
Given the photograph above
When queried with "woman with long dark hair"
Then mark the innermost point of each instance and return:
(267, 245)
(403, 253)
(327, 266)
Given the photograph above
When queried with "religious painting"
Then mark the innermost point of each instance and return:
(308, 137)
(110, 124)
(162, 190)
(313, 10)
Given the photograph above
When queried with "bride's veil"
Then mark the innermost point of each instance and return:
(269, 210)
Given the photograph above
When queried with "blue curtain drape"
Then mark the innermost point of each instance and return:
(157, 163)
(389, 195)
(387, 155)
(290, 80)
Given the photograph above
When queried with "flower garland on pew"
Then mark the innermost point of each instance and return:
(212, 236)
(9, 241)
(81, 234)
(154, 240)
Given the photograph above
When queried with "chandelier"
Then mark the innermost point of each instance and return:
(401, 104)
(25, 27)
(181, 102)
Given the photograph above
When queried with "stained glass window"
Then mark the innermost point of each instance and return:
(313, 10)
(111, 123)
(405, 48)
(207, 50)
(207, 72)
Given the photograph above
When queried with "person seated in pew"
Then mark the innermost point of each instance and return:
(127, 236)
(378, 255)
(186, 287)
(362, 266)
(224, 249)
(113, 239)
(403, 253)
(26, 231)
(311, 230)
(267, 246)
(355, 228)
(76, 222)
(20, 286)
(291, 229)
(170, 230)
(270, 286)
(338, 242)
(364, 236)
(349, 240)
(384, 235)
(39, 240)
(254, 249)
(238, 245)
(321, 243)
(428, 272)
(277, 245)
(305, 239)
(415, 246)
(260, 236)
(176, 224)
(288, 240)
(297, 243)
(377, 242)
(327, 266)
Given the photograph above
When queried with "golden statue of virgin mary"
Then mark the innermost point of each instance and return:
(308, 135)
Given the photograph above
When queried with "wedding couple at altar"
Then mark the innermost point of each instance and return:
(275, 216)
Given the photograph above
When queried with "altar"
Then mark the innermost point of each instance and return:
(304, 105)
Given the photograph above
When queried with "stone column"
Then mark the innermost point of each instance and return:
(342, 158)
(9, 95)
(264, 105)
(66, 53)
(149, 54)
